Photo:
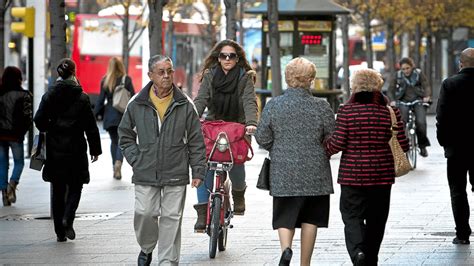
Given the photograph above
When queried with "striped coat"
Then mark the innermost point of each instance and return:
(362, 134)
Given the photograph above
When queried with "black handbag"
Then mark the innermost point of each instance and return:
(263, 181)
(38, 152)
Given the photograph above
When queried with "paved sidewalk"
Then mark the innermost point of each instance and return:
(419, 230)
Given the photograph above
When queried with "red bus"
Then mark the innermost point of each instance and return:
(98, 38)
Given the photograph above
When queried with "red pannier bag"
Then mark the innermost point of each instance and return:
(239, 145)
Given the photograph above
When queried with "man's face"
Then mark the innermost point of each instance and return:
(406, 69)
(162, 75)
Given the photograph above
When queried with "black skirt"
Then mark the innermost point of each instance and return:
(291, 212)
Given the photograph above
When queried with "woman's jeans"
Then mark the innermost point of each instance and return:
(18, 162)
(237, 177)
(114, 147)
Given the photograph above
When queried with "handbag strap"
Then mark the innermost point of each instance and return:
(122, 82)
(393, 118)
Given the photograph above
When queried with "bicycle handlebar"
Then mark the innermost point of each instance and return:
(415, 102)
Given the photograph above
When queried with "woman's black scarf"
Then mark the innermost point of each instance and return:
(225, 100)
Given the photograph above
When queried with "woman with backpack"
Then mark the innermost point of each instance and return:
(114, 77)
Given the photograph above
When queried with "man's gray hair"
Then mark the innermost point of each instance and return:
(156, 59)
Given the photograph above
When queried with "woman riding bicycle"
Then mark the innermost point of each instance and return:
(227, 90)
(410, 85)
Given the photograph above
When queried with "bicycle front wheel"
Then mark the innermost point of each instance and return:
(412, 154)
(214, 226)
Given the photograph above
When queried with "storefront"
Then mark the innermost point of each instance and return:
(306, 29)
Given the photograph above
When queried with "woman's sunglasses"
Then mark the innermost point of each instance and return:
(228, 56)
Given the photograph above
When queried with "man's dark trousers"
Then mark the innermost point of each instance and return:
(458, 167)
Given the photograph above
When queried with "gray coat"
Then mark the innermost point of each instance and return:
(248, 98)
(161, 153)
(292, 128)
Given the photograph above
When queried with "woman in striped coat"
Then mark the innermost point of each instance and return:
(366, 171)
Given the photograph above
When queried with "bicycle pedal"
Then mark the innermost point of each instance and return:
(199, 230)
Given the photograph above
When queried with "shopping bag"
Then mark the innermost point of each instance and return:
(38, 152)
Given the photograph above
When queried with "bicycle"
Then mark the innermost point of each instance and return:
(219, 211)
(410, 130)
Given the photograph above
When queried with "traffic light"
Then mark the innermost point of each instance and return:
(27, 26)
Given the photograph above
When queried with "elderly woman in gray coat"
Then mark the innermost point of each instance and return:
(292, 128)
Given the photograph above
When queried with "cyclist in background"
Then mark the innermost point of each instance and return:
(410, 85)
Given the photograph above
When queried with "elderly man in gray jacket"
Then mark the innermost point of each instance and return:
(160, 136)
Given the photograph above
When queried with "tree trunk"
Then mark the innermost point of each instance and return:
(241, 21)
(452, 67)
(438, 59)
(429, 55)
(125, 40)
(345, 60)
(368, 39)
(274, 47)
(231, 23)
(390, 52)
(170, 34)
(58, 35)
(416, 51)
(211, 29)
(3, 5)
(155, 26)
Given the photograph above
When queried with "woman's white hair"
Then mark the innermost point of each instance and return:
(299, 73)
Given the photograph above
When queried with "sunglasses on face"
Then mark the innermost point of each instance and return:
(228, 56)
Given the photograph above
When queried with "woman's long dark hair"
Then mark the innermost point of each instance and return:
(212, 59)
(11, 79)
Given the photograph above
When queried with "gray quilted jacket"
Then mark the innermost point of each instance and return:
(292, 128)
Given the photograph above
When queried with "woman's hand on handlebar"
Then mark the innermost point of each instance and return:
(250, 130)
(196, 182)
(393, 103)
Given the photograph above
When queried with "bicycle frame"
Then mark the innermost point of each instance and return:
(219, 212)
(410, 129)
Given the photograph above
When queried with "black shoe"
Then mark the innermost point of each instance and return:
(286, 257)
(70, 233)
(423, 152)
(144, 259)
(360, 259)
(456, 241)
(61, 238)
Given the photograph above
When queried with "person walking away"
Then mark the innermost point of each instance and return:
(116, 76)
(409, 85)
(366, 171)
(16, 115)
(455, 135)
(227, 90)
(292, 128)
(160, 136)
(65, 114)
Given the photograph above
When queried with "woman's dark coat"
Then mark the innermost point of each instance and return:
(16, 113)
(111, 116)
(65, 114)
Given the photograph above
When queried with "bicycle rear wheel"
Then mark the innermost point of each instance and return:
(412, 154)
(214, 226)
